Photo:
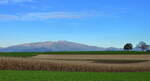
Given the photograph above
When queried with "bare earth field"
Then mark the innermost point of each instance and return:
(79, 63)
(144, 57)
(131, 62)
(97, 59)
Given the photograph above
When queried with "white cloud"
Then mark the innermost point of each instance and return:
(21, 1)
(3, 1)
(36, 16)
(46, 16)
(49, 15)
(8, 17)
(14, 1)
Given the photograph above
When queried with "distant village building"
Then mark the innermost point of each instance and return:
(148, 49)
(139, 49)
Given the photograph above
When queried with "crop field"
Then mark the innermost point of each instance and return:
(75, 66)
(30, 54)
(72, 76)
(78, 63)
(18, 54)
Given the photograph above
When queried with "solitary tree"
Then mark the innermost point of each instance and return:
(128, 46)
(143, 46)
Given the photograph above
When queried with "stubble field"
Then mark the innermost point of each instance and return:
(78, 63)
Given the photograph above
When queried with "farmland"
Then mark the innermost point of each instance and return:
(30, 54)
(71, 76)
(75, 66)
(78, 62)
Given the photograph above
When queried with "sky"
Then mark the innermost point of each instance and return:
(104, 23)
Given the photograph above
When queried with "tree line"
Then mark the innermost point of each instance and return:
(142, 45)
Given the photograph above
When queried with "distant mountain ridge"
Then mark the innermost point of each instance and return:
(54, 46)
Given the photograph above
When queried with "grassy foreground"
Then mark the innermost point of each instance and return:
(29, 54)
(72, 76)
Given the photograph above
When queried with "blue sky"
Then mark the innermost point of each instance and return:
(105, 23)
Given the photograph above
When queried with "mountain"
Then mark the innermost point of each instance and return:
(51, 46)
(113, 49)
(54, 46)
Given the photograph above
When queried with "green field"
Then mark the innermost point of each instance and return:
(29, 54)
(71, 76)
(18, 54)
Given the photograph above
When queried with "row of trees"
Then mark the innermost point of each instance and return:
(142, 45)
